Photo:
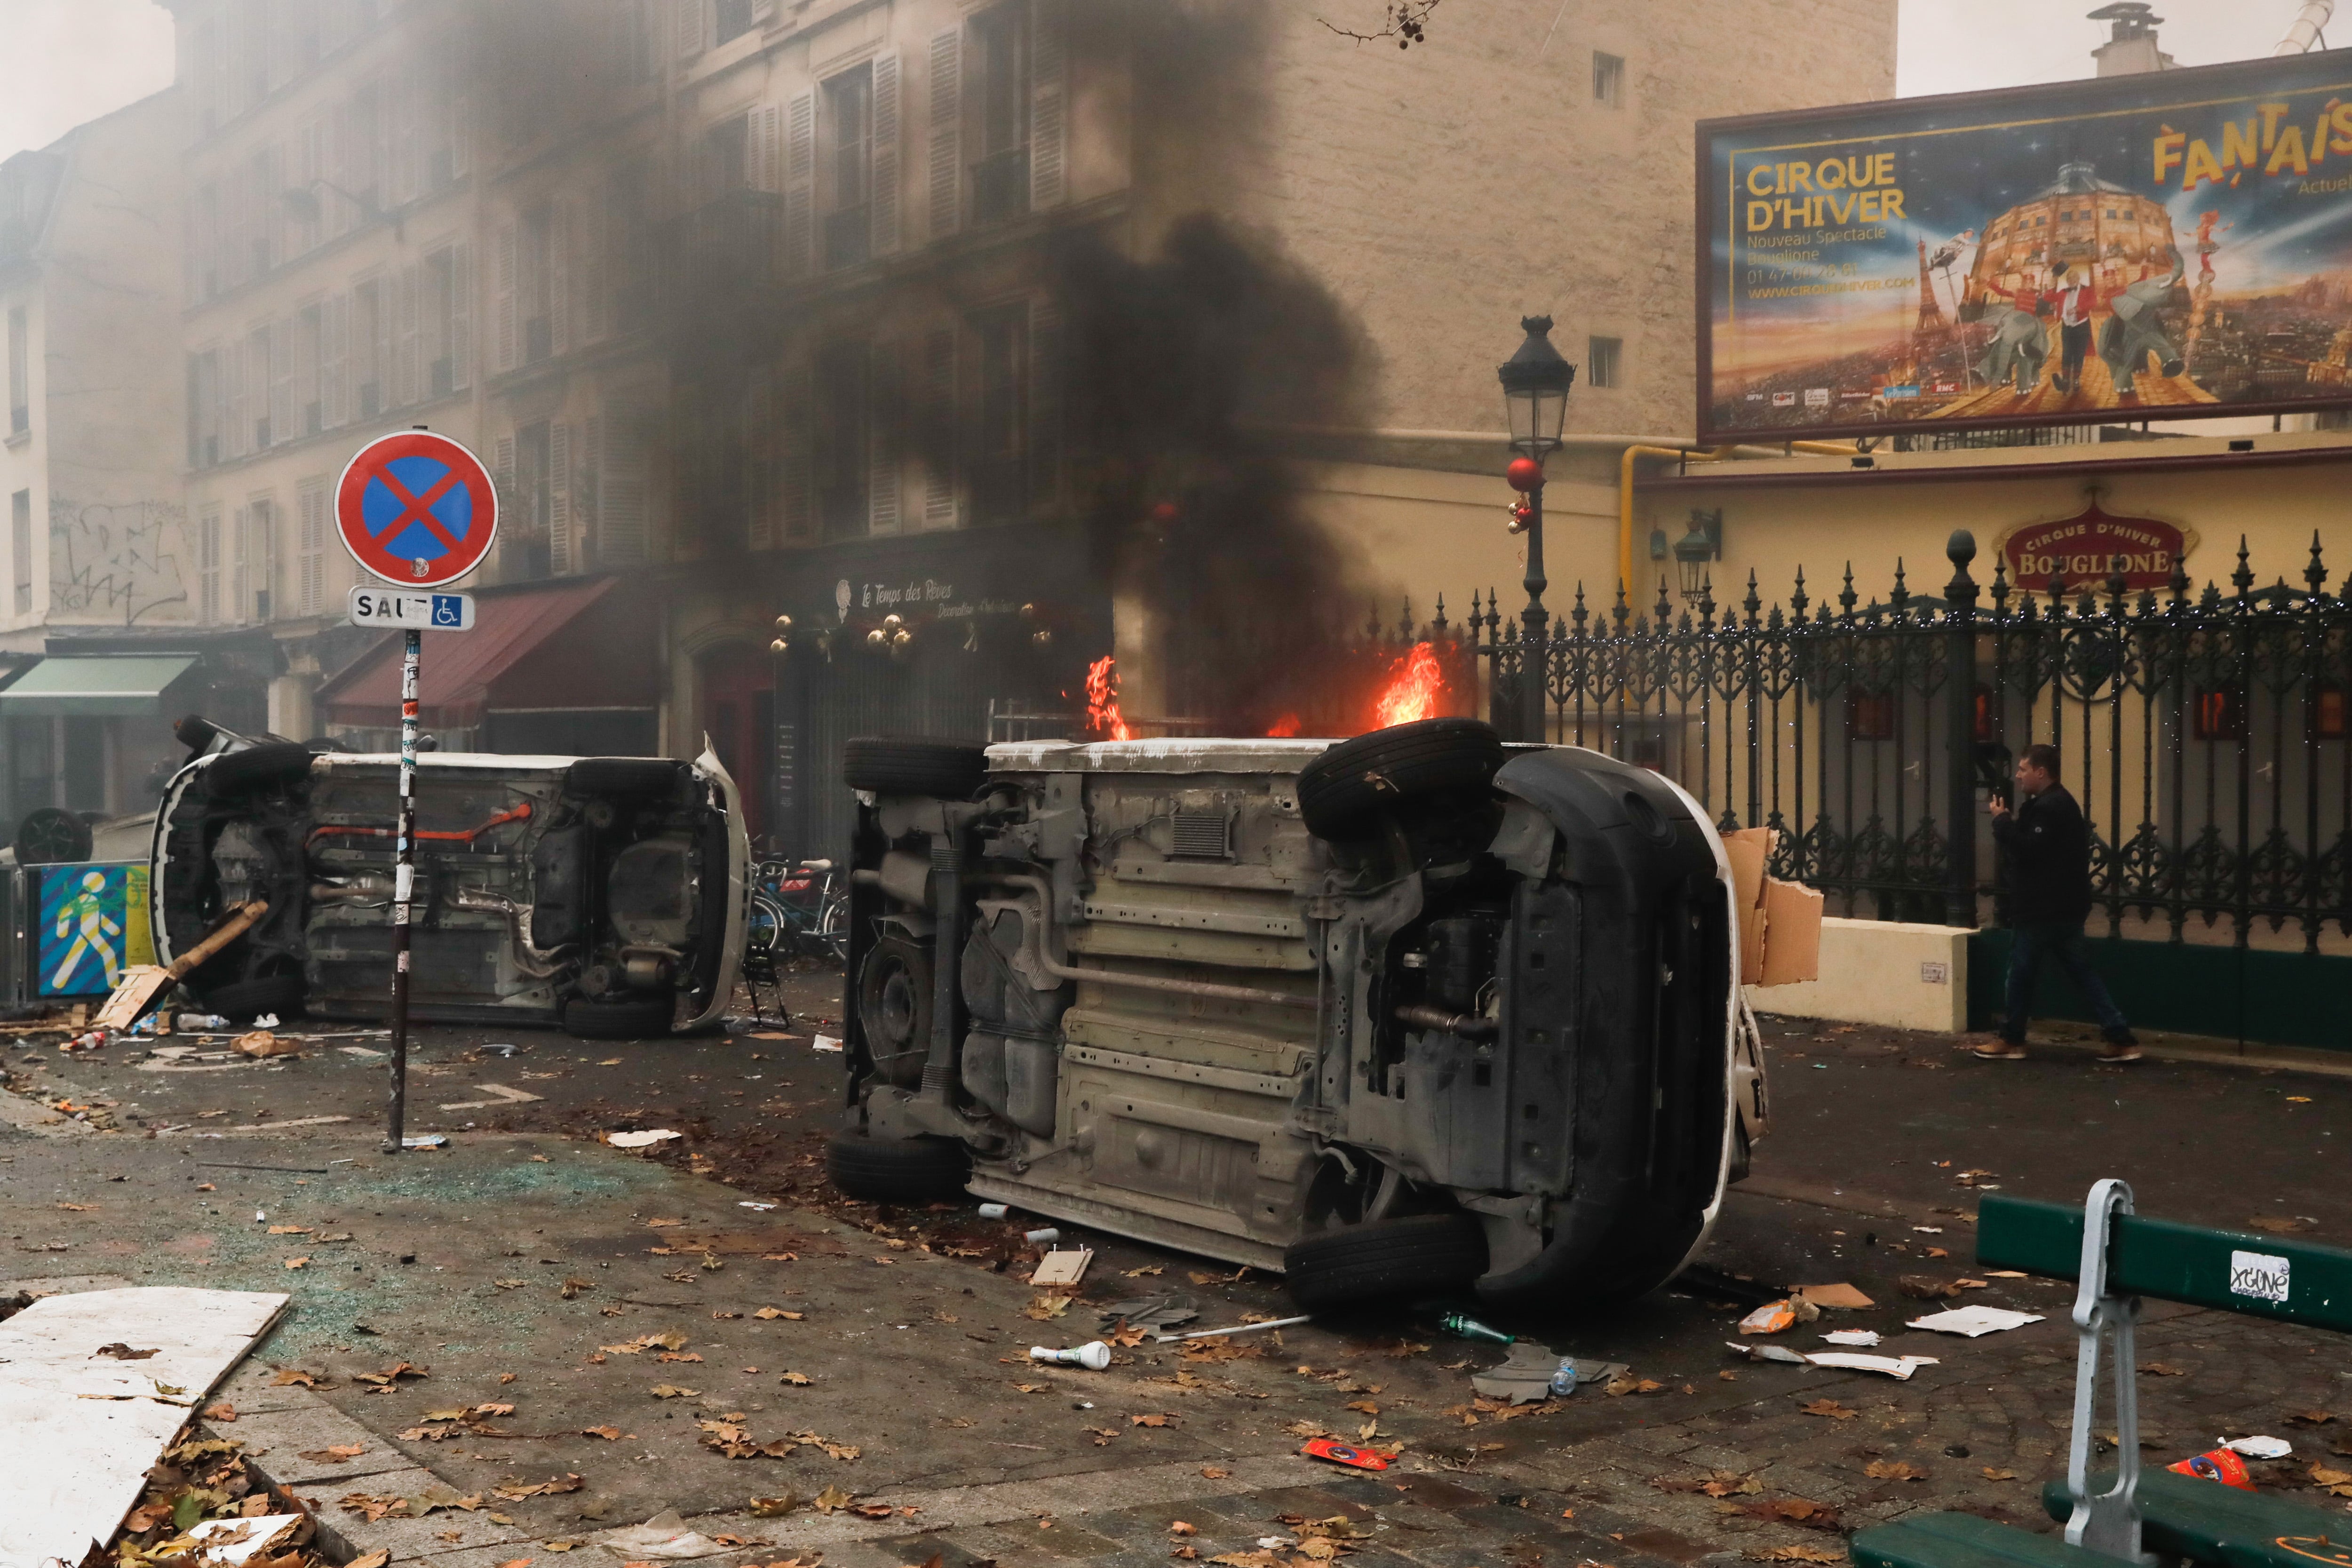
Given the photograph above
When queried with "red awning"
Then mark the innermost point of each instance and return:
(567, 644)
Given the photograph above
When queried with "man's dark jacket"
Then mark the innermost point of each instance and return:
(2046, 846)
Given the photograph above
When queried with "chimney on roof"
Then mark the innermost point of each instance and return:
(2131, 47)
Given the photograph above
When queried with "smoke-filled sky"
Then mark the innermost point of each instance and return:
(88, 57)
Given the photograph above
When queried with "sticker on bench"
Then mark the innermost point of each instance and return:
(2318, 1548)
(2257, 1275)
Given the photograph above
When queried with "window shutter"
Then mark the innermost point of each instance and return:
(240, 583)
(506, 296)
(461, 121)
(409, 384)
(947, 133)
(311, 592)
(884, 237)
(282, 418)
(883, 502)
(333, 396)
(939, 429)
(558, 274)
(1045, 396)
(622, 528)
(687, 16)
(760, 435)
(767, 148)
(502, 473)
(461, 316)
(241, 433)
(587, 493)
(595, 277)
(1048, 106)
(800, 184)
(560, 553)
(794, 437)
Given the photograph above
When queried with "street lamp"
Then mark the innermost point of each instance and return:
(1535, 394)
(1694, 550)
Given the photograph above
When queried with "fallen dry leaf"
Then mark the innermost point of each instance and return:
(289, 1229)
(609, 1433)
(339, 1451)
(1925, 1288)
(2280, 1224)
(1992, 1474)
(672, 1391)
(297, 1263)
(797, 1379)
(2162, 1369)
(1046, 1307)
(1215, 1473)
(1153, 1420)
(773, 1312)
(1800, 1553)
(1828, 1407)
(1893, 1470)
(774, 1507)
(2311, 1417)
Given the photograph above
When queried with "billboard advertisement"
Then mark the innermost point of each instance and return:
(2171, 245)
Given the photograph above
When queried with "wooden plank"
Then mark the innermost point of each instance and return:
(78, 1431)
(2232, 1271)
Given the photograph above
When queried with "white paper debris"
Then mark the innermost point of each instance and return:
(1864, 1337)
(1893, 1366)
(1975, 1320)
(824, 1043)
(640, 1139)
(1753, 1352)
(2260, 1447)
(232, 1541)
(663, 1536)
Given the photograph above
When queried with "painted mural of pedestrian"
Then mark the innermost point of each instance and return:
(2045, 848)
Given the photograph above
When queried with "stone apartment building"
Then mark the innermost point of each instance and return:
(93, 556)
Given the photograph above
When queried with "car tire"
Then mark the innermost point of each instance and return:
(630, 1018)
(947, 769)
(242, 1001)
(1418, 1254)
(1342, 792)
(631, 777)
(50, 836)
(272, 762)
(894, 1007)
(897, 1170)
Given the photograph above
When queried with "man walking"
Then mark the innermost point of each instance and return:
(2046, 846)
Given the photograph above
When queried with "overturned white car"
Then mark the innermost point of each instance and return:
(1391, 1017)
(602, 893)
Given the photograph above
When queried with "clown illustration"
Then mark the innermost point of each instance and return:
(83, 915)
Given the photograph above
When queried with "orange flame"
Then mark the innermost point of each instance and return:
(1413, 690)
(1104, 720)
(1283, 727)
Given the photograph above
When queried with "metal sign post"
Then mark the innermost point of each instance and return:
(419, 510)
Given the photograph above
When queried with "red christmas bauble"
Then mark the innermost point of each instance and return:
(1525, 473)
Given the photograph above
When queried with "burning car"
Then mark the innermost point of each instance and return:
(602, 893)
(1392, 1015)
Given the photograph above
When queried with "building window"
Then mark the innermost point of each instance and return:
(1609, 80)
(532, 555)
(999, 471)
(2220, 714)
(844, 434)
(20, 372)
(1605, 362)
(727, 154)
(538, 284)
(849, 128)
(367, 346)
(20, 548)
(208, 568)
(734, 19)
(311, 549)
(999, 92)
(254, 560)
(1870, 715)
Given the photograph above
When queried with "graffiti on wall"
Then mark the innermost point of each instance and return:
(118, 562)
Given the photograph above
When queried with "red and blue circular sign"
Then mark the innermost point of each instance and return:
(416, 509)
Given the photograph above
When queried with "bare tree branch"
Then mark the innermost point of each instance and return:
(1404, 20)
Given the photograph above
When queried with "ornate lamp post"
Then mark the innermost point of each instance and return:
(1535, 393)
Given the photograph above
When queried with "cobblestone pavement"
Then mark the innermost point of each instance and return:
(911, 1328)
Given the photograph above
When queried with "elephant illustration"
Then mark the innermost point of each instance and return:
(2018, 346)
(2133, 331)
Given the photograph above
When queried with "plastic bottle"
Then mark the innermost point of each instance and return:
(1093, 1355)
(1563, 1378)
(1469, 1328)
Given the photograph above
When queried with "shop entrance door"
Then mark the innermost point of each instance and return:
(738, 714)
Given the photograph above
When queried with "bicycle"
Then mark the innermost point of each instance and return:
(801, 908)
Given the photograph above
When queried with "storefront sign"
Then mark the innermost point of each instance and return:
(2085, 548)
(2177, 241)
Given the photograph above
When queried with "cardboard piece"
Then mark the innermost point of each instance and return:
(1792, 927)
(1838, 1295)
(1063, 1266)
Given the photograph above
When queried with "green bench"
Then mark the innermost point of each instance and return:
(2132, 1515)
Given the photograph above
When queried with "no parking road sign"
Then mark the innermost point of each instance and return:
(416, 509)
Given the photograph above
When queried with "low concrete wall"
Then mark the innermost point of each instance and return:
(1882, 971)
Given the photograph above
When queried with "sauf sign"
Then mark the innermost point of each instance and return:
(418, 510)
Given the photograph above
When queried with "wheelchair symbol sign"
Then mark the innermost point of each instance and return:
(448, 610)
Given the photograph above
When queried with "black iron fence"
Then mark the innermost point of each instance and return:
(2204, 732)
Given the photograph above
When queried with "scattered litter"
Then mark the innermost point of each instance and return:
(1926, 1287)
(664, 1536)
(993, 1211)
(1093, 1355)
(1045, 1238)
(1974, 1321)
(267, 1021)
(1461, 1325)
(1898, 1367)
(1774, 1316)
(2260, 1447)
(2220, 1464)
(1150, 1313)
(1768, 1352)
(642, 1140)
(1525, 1375)
(361, 1051)
(230, 1542)
(749, 1204)
(262, 1042)
(1343, 1454)
(500, 1049)
(1860, 1336)
(426, 1140)
(1235, 1329)
(1840, 1295)
(200, 1021)
(1063, 1266)
(824, 1043)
